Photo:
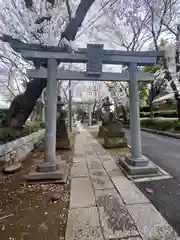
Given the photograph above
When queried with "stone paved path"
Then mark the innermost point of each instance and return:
(104, 204)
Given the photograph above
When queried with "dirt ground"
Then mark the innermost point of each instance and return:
(26, 211)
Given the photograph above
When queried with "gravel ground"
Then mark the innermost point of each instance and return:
(37, 211)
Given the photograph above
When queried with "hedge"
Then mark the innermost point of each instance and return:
(161, 124)
(8, 134)
(165, 114)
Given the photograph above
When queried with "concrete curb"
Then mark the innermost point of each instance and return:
(167, 134)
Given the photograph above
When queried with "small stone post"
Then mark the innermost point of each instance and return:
(70, 107)
(89, 115)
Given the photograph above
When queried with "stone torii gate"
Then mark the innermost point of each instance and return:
(94, 56)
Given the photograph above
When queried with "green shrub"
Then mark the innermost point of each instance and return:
(161, 124)
(8, 134)
(165, 114)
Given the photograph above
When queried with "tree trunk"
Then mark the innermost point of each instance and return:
(22, 105)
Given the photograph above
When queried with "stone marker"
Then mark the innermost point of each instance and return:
(106, 107)
(115, 136)
(13, 168)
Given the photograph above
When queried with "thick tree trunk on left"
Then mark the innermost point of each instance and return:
(22, 105)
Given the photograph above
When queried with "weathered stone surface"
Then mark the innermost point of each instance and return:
(82, 194)
(17, 150)
(110, 165)
(2, 160)
(102, 131)
(63, 144)
(96, 172)
(62, 135)
(83, 224)
(10, 146)
(21, 154)
(115, 219)
(101, 182)
(150, 222)
(120, 134)
(13, 168)
(115, 142)
(59, 174)
(129, 192)
(129, 238)
(105, 157)
(94, 164)
(115, 173)
(79, 169)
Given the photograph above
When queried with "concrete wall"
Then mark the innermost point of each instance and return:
(18, 149)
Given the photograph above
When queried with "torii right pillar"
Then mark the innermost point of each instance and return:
(136, 163)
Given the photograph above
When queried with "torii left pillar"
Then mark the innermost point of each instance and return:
(51, 167)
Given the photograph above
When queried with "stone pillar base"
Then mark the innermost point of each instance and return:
(57, 176)
(133, 167)
(137, 162)
(47, 167)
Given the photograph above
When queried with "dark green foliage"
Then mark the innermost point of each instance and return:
(161, 124)
(165, 114)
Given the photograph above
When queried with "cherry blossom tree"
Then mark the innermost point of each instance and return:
(43, 22)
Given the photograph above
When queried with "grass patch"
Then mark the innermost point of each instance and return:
(8, 134)
(162, 124)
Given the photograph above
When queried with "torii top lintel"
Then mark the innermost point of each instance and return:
(93, 52)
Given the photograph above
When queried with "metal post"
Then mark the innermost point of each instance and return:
(89, 115)
(70, 106)
(50, 163)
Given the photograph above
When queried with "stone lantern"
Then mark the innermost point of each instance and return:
(106, 109)
(62, 133)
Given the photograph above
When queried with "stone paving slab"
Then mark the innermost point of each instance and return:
(94, 164)
(83, 224)
(79, 169)
(110, 165)
(101, 182)
(97, 172)
(116, 173)
(82, 194)
(115, 219)
(129, 192)
(150, 222)
(105, 157)
(122, 213)
(129, 238)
